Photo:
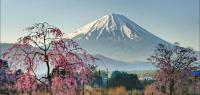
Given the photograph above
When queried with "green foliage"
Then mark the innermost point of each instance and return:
(145, 83)
(130, 81)
(99, 77)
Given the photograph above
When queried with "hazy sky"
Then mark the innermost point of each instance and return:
(171, 20)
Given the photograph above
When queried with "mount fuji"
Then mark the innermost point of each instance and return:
(116, 37)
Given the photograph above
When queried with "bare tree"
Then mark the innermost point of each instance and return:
(173, 63)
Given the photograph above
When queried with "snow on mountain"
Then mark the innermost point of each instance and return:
(111, 27)
(117, 37)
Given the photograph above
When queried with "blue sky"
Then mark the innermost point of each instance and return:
(171, 20)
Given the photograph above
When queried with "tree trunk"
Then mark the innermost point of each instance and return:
(48, 73)
(83, 89)
(171, 87)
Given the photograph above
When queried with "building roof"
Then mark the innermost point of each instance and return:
(196, 73)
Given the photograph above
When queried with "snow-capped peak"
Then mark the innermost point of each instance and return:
(116, 37)
(111, 27)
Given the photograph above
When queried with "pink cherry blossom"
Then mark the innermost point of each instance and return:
(65, 60)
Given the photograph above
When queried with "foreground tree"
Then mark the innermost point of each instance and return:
(65, 61)
(174, 63)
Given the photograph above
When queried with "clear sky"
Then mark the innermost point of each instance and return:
(171, 20)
